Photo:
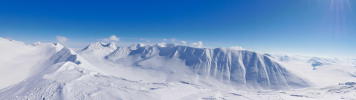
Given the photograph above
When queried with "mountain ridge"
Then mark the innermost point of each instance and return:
(239, 66)
(161, 72)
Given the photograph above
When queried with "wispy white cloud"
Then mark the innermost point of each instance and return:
(158, 41)
(236, 48)
(198, 44)
(112, 38)
(62, 39)
(169, 40)
(183, 42)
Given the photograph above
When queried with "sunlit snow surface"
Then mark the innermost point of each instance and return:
(103, 71)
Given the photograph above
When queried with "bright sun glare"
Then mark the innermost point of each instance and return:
(339, 10)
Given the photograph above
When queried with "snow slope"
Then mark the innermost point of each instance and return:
(241, 67)
(18, 60)
(103, 71)
(319, 71)
(66, 76)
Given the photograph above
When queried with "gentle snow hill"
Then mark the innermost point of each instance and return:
(320, 71)
(239, 67)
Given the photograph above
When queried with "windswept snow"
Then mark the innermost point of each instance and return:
(106, 71)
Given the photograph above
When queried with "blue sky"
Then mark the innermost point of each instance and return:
(312, 27)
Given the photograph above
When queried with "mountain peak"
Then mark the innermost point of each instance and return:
(99, 48)
(101, 45)
(246, 68)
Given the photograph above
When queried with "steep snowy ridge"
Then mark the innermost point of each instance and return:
(18, 60)
(36, 86)
(104, 71)
(49, 79)
(65, 75)
(241, 67)
(99, 48)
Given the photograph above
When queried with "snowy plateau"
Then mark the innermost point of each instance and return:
(163, 71)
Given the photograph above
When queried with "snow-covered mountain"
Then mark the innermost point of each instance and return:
(240, 67)
(103, 70)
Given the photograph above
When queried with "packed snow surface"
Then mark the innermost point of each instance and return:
(106, 71)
